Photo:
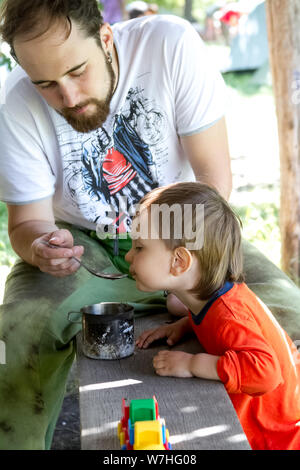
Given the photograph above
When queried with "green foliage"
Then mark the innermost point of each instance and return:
(242, 82)
(5, 61)
(176, 7)
(168, 5)
(7, 255)
(261, 227)
(179, 4)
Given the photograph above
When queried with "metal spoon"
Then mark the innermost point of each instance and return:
(95, 273)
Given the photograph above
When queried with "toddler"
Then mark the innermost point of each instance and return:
(196, 255)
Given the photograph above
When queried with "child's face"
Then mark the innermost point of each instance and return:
(150, 261)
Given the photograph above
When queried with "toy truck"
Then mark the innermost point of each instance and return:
(141, 427)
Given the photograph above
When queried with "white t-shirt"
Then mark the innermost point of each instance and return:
(167, 88)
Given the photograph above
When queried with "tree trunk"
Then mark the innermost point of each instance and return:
(283, 22)
(188, 8)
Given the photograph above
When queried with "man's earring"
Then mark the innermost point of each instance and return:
(109, 58)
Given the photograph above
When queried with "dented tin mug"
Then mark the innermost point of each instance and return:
(107, 330)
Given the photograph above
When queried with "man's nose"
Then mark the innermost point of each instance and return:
(69, 94)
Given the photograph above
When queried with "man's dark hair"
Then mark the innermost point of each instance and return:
(32, 18)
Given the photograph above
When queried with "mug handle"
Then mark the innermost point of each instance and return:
(73, 321)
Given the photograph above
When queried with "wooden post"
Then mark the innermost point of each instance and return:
(283, 23)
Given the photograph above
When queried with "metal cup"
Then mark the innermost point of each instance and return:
(107, 330)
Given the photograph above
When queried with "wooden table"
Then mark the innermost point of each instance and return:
(198, 412)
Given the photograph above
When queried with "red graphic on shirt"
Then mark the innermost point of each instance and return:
(117, 171)
(121, 223)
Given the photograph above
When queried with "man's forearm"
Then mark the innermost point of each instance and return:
(23, 235)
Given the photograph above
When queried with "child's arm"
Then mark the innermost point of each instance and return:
(248, 364)
(182, 364)
(173, 332)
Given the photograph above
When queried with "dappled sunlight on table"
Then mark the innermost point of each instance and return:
(106, 385)
(202, 432)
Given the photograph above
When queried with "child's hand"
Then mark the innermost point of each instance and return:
(173, 363)
(173, 332)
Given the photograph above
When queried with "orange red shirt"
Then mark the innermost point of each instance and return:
(259, 365)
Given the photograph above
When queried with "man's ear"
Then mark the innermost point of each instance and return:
(181, 261)
(106, 37)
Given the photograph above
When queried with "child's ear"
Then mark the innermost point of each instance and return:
(181, 261)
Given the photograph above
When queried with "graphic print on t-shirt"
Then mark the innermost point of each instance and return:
(106, 174)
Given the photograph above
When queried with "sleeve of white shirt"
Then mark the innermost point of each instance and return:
(200, 91)
(25, 174)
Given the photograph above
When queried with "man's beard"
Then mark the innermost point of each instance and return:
(83, 123)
